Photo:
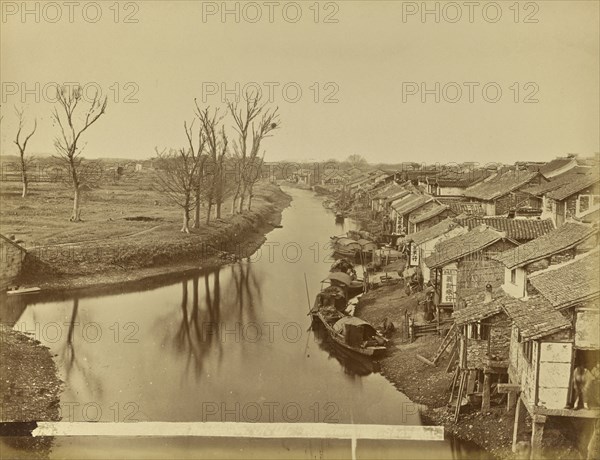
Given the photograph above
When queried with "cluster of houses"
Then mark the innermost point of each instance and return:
(512, 258)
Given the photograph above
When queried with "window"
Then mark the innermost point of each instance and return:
(513, 276)
(484, 333)
(478, 331)
(587, 202)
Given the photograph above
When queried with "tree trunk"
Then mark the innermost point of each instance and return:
(76, 216)
(242, 199)
(219, 210)
(250, 201)
(24, 177)
(197, 210)
(208, 211)
(186, 219)
(235, 197)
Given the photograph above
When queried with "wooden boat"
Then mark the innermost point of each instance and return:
(17, 291)
(345, 247)
(350, 332)
(350, 286)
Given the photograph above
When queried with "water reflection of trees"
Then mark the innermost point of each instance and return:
(203, 321)
(70, 359)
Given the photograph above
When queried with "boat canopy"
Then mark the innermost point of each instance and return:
(356, 322)
(340, 277)
(348, 243)
(367, 245)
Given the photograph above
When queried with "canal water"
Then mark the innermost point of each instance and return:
(231, 344)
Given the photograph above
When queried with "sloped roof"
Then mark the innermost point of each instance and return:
(459, 206)
(434, 231)
(397, 196)
(462, 245)
(387, 190)
(555, 164)
(572, 282)
(518, 229)
(500, 184)
(476, 309)
(425, 214)
(535, 317)
(460, 179)
(574, 186)
(557, 240)
(410, 203)
(557, 181)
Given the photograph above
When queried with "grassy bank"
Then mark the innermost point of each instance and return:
(129, 232)
(429, 385)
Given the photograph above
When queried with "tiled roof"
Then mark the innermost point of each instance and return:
(573, 186)
(397, 196)
(557, 181)
(460, 179)
(499, 185)
(421, 216)
(476, 309)
(463, 207)
(462, 245)
(410, 203)
(387, 190)
(557, 240)
(555, 164)
(518, 229)
(569, 283)
(535, 317)
(434, 231)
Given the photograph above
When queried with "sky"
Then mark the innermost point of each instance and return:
(349, 77)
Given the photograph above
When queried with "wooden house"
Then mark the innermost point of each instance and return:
(426, 240)
(428, 215)
(502, 191)
(483, 331)
(552, 337)
(556, 246)
(464, 263)
(402, 209)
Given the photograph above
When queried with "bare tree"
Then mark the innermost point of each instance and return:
(22, 145)
(216, 148)
(197, 153)
(68, 151)
(268, 123)
(243, 117)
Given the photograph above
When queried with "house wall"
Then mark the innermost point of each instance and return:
(554, 374)
(434, 220)
(520, 371)
(511, 200)
(571, 203)
(428, 247)
(451, 191)
(587, 325)
(476, 274)
(11, 262)
(499, 337)
(516, 289)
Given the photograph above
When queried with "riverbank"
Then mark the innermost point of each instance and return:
(29, 388)
(430, 386)
(134, 240)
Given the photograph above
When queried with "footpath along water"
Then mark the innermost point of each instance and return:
(232, 344)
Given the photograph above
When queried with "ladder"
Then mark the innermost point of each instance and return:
(448, 339)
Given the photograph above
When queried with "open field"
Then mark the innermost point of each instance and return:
(125, 227)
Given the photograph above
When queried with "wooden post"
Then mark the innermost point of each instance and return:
(485, 400)
(510, 400)
(516, 425)
(537, 434)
